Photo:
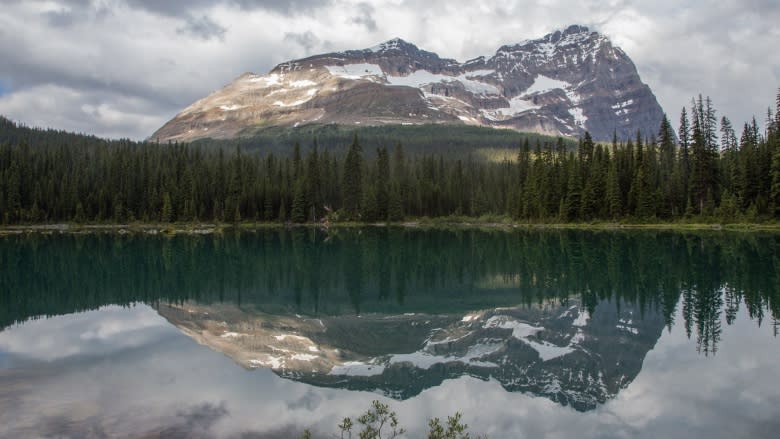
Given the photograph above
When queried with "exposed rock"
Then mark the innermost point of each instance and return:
(562, 84)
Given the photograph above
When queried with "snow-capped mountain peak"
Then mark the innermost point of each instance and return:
(565, 83)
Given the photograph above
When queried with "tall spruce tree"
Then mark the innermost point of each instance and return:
(382, 182)
(353, 179)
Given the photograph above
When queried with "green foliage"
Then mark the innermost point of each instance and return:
(52, 176)
(372, 423)
(298, 213)
(379, 417)
(166, 215)
(454, 429)
(353, 179)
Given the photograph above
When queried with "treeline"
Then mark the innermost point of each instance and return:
(704, 171)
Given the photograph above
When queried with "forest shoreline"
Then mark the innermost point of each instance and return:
(197, 228)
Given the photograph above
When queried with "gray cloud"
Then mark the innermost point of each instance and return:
(307, 39)
(124, 66)
(203, 27)
(196, 421)
(184, 8)
(365, 17)
(286, 7)
(171, 8)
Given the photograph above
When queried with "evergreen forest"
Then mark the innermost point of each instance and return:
(705, 170)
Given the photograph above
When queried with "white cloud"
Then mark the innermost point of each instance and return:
(107, 54)
(132, 373)
(110, 329)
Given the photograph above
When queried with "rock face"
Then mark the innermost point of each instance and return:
(554, 351)
(565, 83)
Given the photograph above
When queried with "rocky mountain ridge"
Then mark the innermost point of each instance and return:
(565, 83)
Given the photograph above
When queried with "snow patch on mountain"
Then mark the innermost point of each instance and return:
(579, 117)
(582, 319)
(356, 71)
(523, 331)
(517, 105)
(421, 78)
(357, 368)
(423, 359)
(544, 84)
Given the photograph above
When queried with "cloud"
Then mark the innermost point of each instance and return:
(184, 8)
(292, 7)
(365, 17)
(307, 39)
(100, 113)
(147, 59)
(108, 330)
(204, 28)
(127, 372)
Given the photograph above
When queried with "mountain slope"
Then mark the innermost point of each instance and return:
(562, 84)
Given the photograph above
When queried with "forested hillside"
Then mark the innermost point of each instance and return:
(704, 171)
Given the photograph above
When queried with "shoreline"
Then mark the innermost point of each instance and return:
(195, 228)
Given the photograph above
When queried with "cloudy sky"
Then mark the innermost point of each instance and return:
(121, 68)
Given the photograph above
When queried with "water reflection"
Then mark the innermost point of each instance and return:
(552, 350)
(397, 271)
(569, 316)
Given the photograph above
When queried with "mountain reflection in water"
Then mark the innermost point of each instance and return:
(568, 315)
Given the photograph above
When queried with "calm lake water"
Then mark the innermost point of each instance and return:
(262, 334)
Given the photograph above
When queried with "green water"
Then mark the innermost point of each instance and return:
(561, 317)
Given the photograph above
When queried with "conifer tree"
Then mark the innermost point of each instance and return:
(572, 201)
(382, 182)
(166, 215)
(299, 204)
(667, 148)
(369, 206)
(775, 192)
(395, 209)
(297, 161)
(313, 182)
(614, 199)
(353, 179)
(684, 133)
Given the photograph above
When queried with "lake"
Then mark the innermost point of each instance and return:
(549, 333)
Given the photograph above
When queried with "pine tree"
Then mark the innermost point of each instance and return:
(282, 212)
(395, 208)
(313, 184)
(667, 148)
(370, 207)
(704, 151)
(297, 161)
(268, 202)
(300, 203)
(614, 199)
(166, 215)
(572, 203)
(684, 134)
(382, 182)
(353, 179)
(777, 110)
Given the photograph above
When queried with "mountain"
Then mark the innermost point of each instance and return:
(556, 351)
(565, 83)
